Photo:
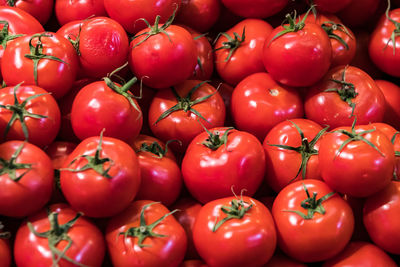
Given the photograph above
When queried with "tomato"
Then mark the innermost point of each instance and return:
(255, 8)
(5, 251)
(161, 178)
(280, 259)
(221, 159)
(100, 169)
(67, 10)
(358, 12)
(391, 92)
(106, 105)
(381, 218)
(175, 113)
(200, 15)
(291, 152)
(40, 9)
(26, 177)
(162, 241)
(58, 236)
(266, 102)
(343, 92)
(330, 6)
(358, 160)
(313, 223)
(243, 227)
(238, 51)
(28, 113)
(155, 49)
(47, 60)
(129, 13)
(298, 54)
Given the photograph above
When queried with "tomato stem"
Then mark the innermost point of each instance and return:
(11, 2)
(396, 31)
(4, 235)
(330, 27)
(5, 37)
(156, 148)
(232, 44)
(236, 210)
(11, 166)
(214, 140)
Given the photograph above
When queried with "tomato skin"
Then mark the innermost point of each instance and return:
(151, 60)
(255, 8)
(331, 7)
(360, 254)
(200, 15)
(381, 217)
(327, 108)
(20, 22)
(41, 131)
(5, 253)
(67, 11)
(391, 92)
(210, 175)
(358, 12)
(249, 241)
(247, 58)
(40, 9)
(358, 170)
(318, 238)
(88, 246)
(280, 259)
(161, 251)
(266, 102)
(58, 151)
(88, 191)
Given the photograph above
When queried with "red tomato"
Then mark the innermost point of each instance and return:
(200, 15)
(26, 177)
(220, 159)
(343, 92)
(266, 102)
(161, 178)
(255, 8)
(5, 251)
(243, 227)
(67, 10)
(58, 237)
(381, 217)
(358, 12)
(358, 160)
(291, 152)
(47, 60)
(392, 93)
(161, 241)
(39, 121)
(238, 51)
(100, 169)
(172, 117)
(312, 222)
(58, 152)
(40, 9)
(329, 6)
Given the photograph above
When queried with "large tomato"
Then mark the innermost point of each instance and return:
(58, 236)
(40, 9)
(67, 10)
(313, 223)
(145, 234)
(5, 251)
(255, 8)
(199, 14)
(392, 93)
(243, 227)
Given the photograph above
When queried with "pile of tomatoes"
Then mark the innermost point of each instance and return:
(188, 133)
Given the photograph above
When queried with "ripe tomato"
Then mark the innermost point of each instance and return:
(5, 251)
(381, 217)
(343, 92)
(220, 159)
(67, 10)
(58, 236)
(100, 169)
(199, 14)
(358, 12)
(266, 102)
(40, 9)
(145, 234)
(391, 92)
(28, 113)
(328, 6)
(312, 222)
(243, 227)
(238, 51)
(255, 8)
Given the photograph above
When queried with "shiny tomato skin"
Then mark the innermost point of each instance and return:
(381, 217)
(267, 103)
(210, 175)
(199, 14)
(97, 107)
(162, 251)
(249, 241)
(247, 58)
(5, 253)
(392, 93)
(282, 165)
(318, 238)
(358, 170)
(255, 8)
(361, 254)
(40, 9)
(67, 10)
(89, 191)
(20, 22)
(41, 132)
(88, 246)
(298, 58)
(151, 60)
(327, 108)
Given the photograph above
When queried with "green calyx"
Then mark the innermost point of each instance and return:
(10, 167)
(311, 204)
(346, 91)
(215, 140)
(396, 153)
(330, 27)
(144, 231)
(396, 31)
(20, 113)
(156, 149)
(232, 44)
(4, 235)
(75, 42)
(11, 2)
(36, 53)
(186, 103)
(95, 162)
(55, 235)
(156, 29)
(5, 37)
(306, 149)
(236, 210)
